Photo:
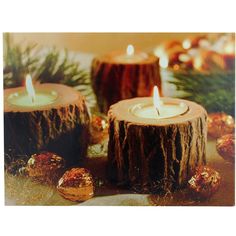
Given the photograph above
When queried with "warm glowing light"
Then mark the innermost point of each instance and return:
(30, 88)
(159, 51)
(156, 99)
(186, 44)
(130, 50)
(193, 52)
(176, 67)
(164, 61)
(229, 48)
(163, 57)
(103, 124)
(184, 57)
(197, 62)
(204, 43)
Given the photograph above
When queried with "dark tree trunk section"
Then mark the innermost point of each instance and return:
(113, 81)
(153, 158)
(63, 129)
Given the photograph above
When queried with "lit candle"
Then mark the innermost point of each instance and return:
(117, 75)
(131, 56)
(43, 117)
(158, 109)
(30, 98)
(146, 148)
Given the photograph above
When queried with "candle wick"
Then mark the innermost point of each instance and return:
(158, 112)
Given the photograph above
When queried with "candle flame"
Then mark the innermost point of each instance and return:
(29, 87)
(130, 50)
(156, 99)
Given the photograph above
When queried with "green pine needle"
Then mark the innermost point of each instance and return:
(54, 68)
(214, 90)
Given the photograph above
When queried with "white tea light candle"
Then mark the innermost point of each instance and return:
(159, 109)
(30, 97)
(130, 56)
(167, 110)
(42, 98)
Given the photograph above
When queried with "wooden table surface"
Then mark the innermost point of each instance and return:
(22, 191)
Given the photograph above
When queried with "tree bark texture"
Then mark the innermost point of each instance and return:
(153, 158)
(62, 128)
(114, 81)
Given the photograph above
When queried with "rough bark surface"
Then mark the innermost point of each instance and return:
(152, 158)
(113, 82)
(63, 130)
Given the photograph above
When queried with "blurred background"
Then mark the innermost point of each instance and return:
(99, 43)
(194, 66)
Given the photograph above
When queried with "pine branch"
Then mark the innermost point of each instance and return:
(54, 68)
(215, 90)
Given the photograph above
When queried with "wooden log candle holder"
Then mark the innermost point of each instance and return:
(61, 126)
(116, 77)
(152, 155)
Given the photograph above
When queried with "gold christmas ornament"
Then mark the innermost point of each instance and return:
(76, 185)
(220, 124)
(225, 146)
(205, 182)
(45, 167)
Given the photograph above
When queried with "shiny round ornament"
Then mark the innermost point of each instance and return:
(76, 185)
(17, 167)
(220, 124)
(45, 167)
(225, 146)
(98, 129)
(205, 182)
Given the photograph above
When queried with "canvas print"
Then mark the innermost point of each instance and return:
(119, 119)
